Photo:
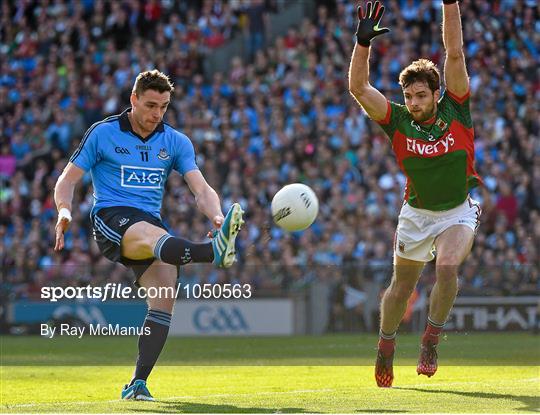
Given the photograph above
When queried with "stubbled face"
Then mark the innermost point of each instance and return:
(148, 109)
(420, 101)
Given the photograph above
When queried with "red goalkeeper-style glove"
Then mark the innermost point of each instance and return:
(368, 24)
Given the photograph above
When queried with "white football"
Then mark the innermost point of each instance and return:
(295, 207)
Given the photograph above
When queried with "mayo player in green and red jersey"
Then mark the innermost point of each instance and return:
(432, 138)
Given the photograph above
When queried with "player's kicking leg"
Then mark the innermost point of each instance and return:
(393, 306)
(453, 245)
(155, 328)
(144, 240)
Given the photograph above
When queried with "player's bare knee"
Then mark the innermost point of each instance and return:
(446, 273)
(140, 239)
(401, 290)
(404, 281)
(136, 249)
(448, 259)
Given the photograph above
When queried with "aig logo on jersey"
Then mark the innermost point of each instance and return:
(142, 177)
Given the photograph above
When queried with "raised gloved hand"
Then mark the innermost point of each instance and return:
(368, 24)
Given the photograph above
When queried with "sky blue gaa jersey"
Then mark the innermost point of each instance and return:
(128, 170)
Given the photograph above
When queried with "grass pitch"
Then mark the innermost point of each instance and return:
(480, 373)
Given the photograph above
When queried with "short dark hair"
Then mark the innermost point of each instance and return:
(154, 80)
(421, 70)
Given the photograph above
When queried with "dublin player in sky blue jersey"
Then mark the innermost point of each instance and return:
(129, 157)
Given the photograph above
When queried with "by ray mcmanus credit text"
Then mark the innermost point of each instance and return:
(66, 329)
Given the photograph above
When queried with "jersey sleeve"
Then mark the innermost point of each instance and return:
(395, 115)
(459, 107)
(87, 154)
(185, 158)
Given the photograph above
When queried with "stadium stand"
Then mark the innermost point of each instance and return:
(285, 116)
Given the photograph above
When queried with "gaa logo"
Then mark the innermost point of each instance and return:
(121, 150)
(142, 177)
(208, 319)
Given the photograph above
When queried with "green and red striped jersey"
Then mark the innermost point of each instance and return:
(438, 159)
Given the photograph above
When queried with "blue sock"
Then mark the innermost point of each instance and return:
(179, 251)
(150, 345)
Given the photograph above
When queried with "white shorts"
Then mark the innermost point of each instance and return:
(418, 228)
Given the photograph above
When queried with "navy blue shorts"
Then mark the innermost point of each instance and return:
(109, 225)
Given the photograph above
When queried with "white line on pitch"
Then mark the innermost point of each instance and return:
(221, 395)
(230, 395)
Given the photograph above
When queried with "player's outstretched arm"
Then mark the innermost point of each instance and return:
(373, 102)
(63, 196)
(206, 197)
(455, 71)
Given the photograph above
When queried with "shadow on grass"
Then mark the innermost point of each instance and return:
(203, 408)
(532, 403)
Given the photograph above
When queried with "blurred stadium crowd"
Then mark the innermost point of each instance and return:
(285, 116)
